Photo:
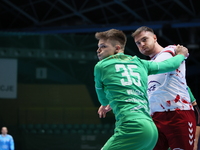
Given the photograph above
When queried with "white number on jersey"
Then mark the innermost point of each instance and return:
(128, 74)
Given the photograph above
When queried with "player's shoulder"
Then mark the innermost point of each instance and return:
(169, 49)
(98, 64)
(102, 63)
(139, 61)
(9, 135)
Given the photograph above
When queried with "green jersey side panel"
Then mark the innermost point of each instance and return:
(191, 95)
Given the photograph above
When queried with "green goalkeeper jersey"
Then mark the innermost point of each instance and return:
(191, 95)
(121, 82)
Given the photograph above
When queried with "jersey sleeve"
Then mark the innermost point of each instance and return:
(99, 87)
(165, 66)
(192, 99)
(163, 56)
(12, 145)
(166, 53)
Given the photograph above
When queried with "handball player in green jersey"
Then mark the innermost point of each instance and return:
(121, 83)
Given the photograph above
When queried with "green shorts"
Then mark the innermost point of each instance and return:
(138, 134)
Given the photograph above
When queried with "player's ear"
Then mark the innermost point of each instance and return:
(155, 38)
(118, 47)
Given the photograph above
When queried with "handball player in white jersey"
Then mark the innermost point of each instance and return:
(169, 97)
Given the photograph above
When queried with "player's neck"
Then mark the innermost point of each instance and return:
(157, 49)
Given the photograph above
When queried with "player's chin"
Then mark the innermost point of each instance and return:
(100, 58)
(146, 53)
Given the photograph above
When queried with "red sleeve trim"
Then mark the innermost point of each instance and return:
(168, 51)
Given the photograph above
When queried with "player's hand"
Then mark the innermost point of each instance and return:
(103, 110)
(181, 50)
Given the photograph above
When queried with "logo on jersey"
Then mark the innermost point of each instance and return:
(191, 135)
(134, 92)
(143, 108)
(153, 85)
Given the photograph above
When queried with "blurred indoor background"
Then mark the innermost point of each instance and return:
(47, 56)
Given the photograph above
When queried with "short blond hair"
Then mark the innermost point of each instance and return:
(114, 35)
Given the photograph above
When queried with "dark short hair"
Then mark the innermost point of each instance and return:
(141, 29)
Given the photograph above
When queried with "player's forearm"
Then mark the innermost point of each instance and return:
(102, 97)
(196, 138)
(168, 65)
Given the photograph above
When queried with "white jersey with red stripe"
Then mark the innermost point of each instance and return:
(168, 91)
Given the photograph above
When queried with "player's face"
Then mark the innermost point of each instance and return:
(145, 42)
(105, 49)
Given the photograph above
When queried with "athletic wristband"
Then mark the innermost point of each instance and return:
(197, 114)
